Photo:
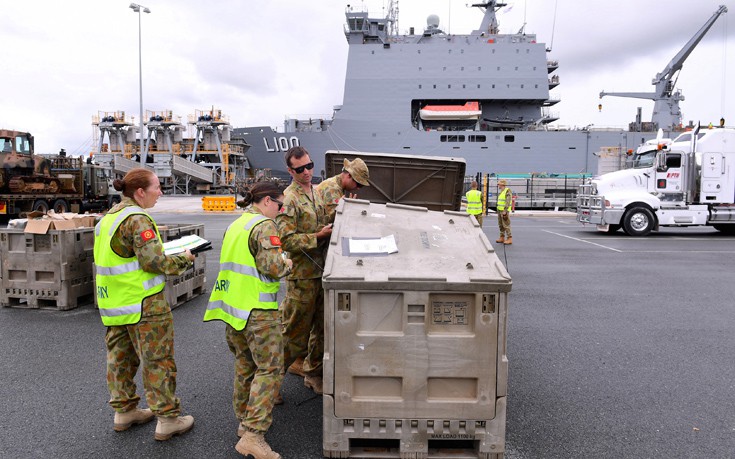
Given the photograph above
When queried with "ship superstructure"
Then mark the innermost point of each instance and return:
(484, 96)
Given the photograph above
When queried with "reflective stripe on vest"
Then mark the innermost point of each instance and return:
(503, 203)
(240, 287)
(121, 282)
(474, 202)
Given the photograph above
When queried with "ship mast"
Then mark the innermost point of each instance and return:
(490, 21)
(392, 18)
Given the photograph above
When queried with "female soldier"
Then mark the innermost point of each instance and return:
(130, 277)
(244, 296)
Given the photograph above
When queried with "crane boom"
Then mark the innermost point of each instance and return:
(666, 111)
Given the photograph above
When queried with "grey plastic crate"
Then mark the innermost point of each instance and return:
(40, 260)
(171, 231)
(52, 270)
(65, 295)
(415, 358)
(187, 286)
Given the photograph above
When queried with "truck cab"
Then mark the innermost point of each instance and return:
(691, 182)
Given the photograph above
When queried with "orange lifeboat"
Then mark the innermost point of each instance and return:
(468, 111)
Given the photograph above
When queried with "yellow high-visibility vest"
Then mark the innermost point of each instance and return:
(474, 202)
(504, 202)
(121, 282)
(240, 287)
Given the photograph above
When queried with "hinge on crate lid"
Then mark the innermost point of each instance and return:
(488, 303)
(343, 302)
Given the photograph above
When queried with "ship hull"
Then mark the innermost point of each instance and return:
(499, 152)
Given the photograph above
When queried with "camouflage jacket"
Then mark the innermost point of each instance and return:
(302, 216)
(331, 191)
(265, 246)
(128, 242)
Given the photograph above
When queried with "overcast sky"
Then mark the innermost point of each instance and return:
(260, 60)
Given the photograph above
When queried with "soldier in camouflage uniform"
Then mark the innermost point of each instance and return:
(304, 229)
(253, 330)
(354, 176)
(151, 340)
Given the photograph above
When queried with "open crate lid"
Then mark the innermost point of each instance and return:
(434, 182)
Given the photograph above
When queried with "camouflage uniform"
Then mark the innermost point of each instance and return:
(152, 339)
(503, 213)
(258, 348)
(302, 216)
(331, 191)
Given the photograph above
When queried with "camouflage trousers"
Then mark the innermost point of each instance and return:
(303, 324)
(479, 218)
(150, 342)
(258, 351)
(504, 223)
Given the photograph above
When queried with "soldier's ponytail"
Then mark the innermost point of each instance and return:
(255, 192)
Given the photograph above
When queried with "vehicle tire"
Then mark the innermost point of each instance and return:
(41, 206)
(638, 222)
(725, 229)
(60, 206)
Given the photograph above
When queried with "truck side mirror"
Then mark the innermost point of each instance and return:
(661, 162)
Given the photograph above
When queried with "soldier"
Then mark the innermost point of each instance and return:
(505, 204)
(354, 176)
(474, 202)
(304, 229)
(244, 297)
(131, 274)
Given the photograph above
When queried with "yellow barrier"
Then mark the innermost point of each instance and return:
(218, 203)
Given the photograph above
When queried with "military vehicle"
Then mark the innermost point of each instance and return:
(31, 182)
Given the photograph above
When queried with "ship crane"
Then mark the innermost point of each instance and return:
(666, 112)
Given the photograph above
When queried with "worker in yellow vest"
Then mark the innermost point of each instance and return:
(244, 297)
(505, 204)
(130, 278)
(474, 202)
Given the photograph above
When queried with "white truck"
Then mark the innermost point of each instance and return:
(691, 182)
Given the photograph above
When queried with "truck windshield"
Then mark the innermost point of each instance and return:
(22, 145)
(644, 160)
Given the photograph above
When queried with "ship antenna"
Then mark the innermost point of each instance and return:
(553, 27)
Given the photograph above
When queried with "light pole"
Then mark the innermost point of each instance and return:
(137, 9)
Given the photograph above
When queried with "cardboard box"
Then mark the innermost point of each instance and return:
(59, 222)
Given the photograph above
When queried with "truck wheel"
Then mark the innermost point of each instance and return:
(61, 206)
(725, 229)
(41, 206)
(638, 222)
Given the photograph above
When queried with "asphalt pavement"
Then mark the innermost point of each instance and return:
(619, 347)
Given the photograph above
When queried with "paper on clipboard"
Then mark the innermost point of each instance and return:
(383, 245)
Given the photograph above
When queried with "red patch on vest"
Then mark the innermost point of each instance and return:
(336, 201)
(147, 235)
(275, 240)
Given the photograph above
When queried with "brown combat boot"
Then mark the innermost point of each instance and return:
(297, 367)
(314, 383)
(168, 427)
(509, 241)
(123, 421)
(501, 239)
(255, 445)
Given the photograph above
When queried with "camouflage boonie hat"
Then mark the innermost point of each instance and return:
(358, 170)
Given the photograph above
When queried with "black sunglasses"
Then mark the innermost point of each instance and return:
(300, 169)
(280, 204)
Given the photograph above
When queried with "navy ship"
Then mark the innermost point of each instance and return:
(484, 97)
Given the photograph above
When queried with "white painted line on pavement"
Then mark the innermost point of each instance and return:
(582, 240)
